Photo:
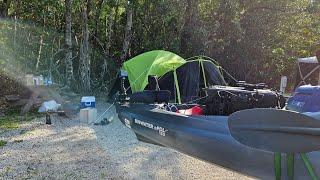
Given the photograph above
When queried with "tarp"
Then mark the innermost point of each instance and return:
(156, 63)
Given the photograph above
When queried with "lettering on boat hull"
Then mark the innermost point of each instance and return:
(162, 131)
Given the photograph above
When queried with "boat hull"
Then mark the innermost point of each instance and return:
(207, 138)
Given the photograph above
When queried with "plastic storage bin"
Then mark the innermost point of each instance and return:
(88, 101)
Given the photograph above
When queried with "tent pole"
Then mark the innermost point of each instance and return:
(177, 85)
(203, 74)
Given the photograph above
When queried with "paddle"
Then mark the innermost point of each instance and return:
(275, 130)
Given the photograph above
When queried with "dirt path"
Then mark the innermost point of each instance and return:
(70, 150)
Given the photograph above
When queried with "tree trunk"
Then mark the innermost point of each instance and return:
(84, 54)
(68, 44)
(115, 20)
(105, 75)
(4, 8)
(96, 19)
(190, 42)
(128, 32)
(15, 36)
(109, 32)
(89, 6)
(39, 52)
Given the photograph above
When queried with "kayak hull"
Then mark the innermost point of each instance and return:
(207, 138)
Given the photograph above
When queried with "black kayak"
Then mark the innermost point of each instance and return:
(208, 138)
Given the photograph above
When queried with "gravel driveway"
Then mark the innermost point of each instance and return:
(71, 150)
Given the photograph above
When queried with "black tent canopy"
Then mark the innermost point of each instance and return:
(192, 77)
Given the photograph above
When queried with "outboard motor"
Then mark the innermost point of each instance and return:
(305, 99)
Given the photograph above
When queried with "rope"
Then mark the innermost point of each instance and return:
(105, 112)
(225, 71)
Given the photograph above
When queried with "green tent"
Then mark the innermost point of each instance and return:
(155, 63)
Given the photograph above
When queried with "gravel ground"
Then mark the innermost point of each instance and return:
(138, 160)
(71, 150)
(64, 150)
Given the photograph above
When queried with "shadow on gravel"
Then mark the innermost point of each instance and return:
(64, 150)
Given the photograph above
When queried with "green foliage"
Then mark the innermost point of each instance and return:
(254, 40)
(296, 35)
(44, 12)
(161, 22)
(9, 124)
(2, 143)
(260, 40)
(19, 48)
(12, 121)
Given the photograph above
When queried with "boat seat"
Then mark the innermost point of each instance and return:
(150, 96)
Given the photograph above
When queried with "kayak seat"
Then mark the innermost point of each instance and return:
(150, 96)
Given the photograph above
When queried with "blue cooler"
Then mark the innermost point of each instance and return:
(305, 99)
(88, 101)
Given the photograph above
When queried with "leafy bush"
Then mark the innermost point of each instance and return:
(2, 143)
